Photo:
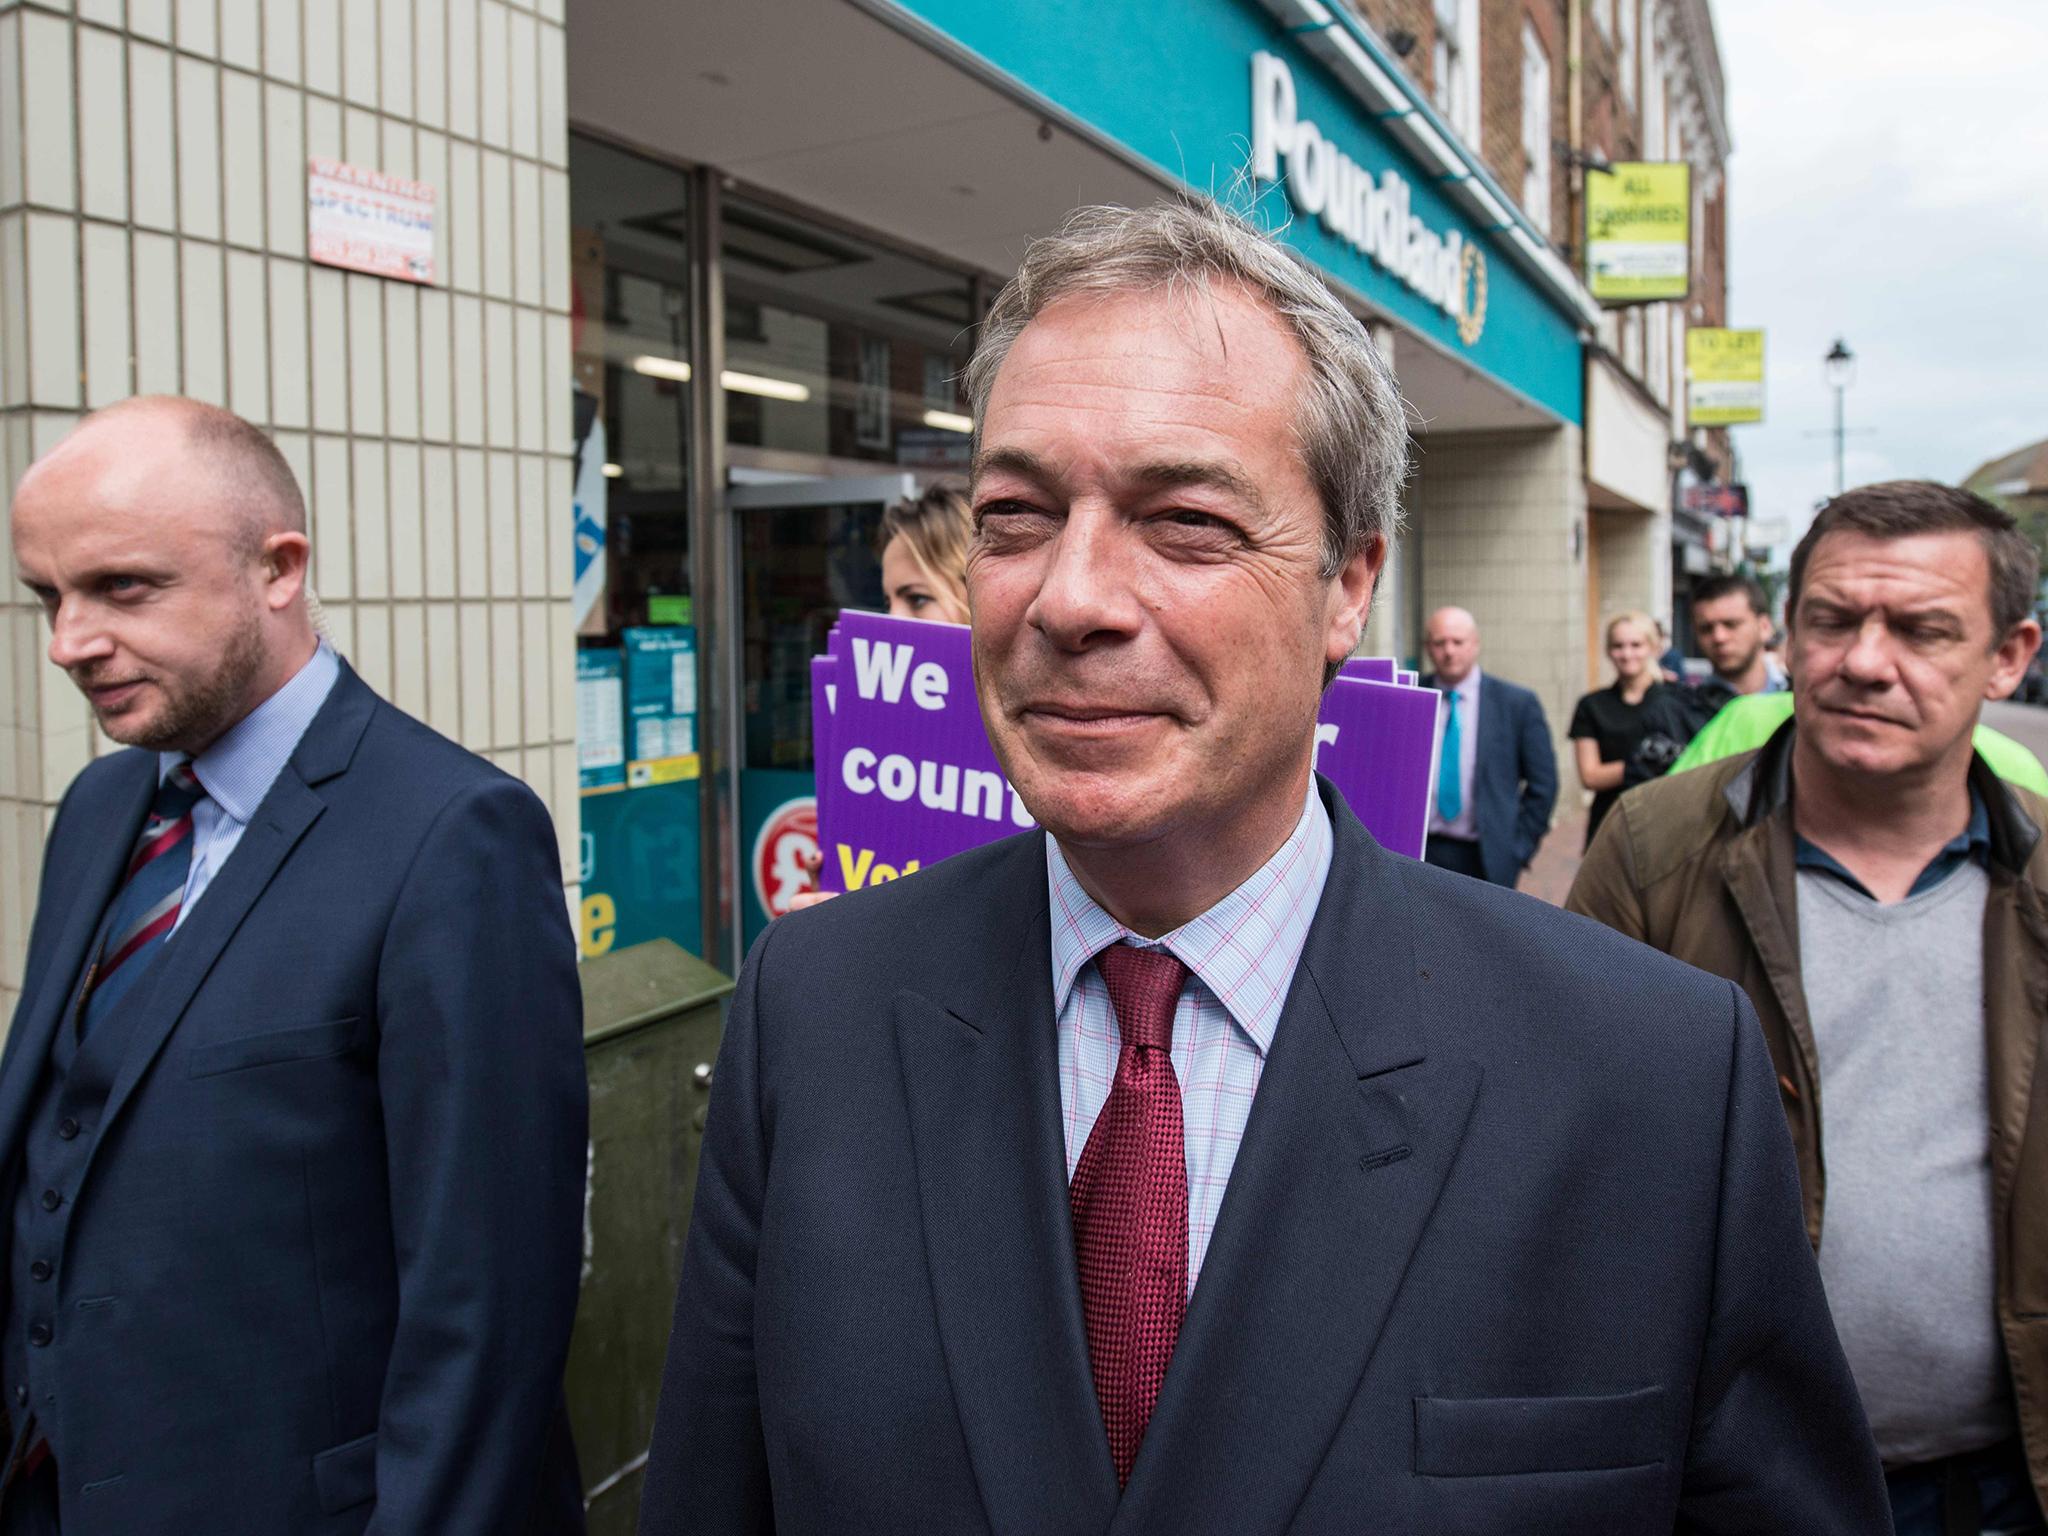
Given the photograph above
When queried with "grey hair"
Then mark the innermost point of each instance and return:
(1350, 425)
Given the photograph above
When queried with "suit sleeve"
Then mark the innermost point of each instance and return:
(1539, 779)
(480, 1068)
(707, 1464)
(1779, 1441)
(1605, 887)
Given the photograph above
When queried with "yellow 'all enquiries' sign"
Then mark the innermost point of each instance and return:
(1638, 232)
(1725, 377)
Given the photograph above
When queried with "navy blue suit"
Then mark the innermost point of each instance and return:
(1512, 1243)
(318, 1268)
(1514, 776)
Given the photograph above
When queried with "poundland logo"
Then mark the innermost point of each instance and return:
(1373, 217)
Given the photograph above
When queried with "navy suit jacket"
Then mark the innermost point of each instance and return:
(1514, 776)
(1512, 1243)
(319, 1274)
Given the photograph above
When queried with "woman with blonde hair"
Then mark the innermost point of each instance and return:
(1611, 723)
(923, 544)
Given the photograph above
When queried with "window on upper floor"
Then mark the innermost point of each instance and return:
(1603, 17)
(1625, 49)
(1536, 150)
(1455, 71)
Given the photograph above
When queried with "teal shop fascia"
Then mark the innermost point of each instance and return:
(1293, 108)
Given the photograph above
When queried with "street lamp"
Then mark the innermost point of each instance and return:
(1840, 364)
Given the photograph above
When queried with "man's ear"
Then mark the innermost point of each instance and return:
(285, 556)
(1351, 591)
(2010, 661)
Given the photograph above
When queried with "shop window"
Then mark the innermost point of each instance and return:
(1536, 151)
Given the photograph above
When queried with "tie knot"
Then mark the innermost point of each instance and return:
(1144, 986)
(179, 792)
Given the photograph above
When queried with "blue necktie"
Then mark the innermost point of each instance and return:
(147, 907)
(1450, 793)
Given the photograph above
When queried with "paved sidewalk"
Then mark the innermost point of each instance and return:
(1550, 873)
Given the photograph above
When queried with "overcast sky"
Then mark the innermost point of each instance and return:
(1889, 185)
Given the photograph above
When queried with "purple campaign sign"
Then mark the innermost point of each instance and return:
(1377, 743)
(1369, 669)
(907, 776)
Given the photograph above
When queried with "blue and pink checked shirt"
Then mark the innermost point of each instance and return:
(1242, 953)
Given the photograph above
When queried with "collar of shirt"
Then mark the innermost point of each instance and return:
(238, 770)
(1468, 689)
(1244, 949)
(1972, 843)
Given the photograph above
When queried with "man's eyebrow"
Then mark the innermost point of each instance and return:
(1218, 476)
(1012, 461)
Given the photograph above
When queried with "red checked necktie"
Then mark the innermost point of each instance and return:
(1130, 1202)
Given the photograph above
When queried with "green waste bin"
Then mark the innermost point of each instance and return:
(651, 1020)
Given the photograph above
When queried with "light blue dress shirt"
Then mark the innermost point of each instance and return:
(237, 771)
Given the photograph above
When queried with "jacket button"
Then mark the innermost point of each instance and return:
(51, 1199)
(39, 1334)
(39, 1270)
(67, 1128)
(21, 1396)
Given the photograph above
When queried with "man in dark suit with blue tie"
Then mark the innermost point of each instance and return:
(1496, 772)
(292, 1113)
(1194, 1165)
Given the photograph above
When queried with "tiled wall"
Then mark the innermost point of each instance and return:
(1501, 534)
(152, 239)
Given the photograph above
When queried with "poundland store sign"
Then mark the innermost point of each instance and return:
(1372, 216)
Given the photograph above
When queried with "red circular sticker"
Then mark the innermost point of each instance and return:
(787, 841)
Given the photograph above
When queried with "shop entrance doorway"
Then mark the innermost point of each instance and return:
(805, 549)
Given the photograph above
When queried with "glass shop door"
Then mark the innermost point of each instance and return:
(805, 550)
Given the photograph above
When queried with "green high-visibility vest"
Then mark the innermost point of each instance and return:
(1746, 723)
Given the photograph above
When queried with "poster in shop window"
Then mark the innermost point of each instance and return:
(1638, 232)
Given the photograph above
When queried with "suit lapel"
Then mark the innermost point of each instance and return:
(981, 1081)
(280, 822)
(103, 857)
(1350, 1139)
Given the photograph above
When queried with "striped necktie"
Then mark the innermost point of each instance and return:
(146, 910)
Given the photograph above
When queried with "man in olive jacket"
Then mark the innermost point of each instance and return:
(1866, 878)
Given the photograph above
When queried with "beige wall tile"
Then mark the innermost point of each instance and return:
(554, 239)
(65, 734)
(284, 171)
(248, 337)
(507, 725)
(281, 39)
(330, 350)
(287, 331)
(409, 658)
(500, 424)
(109, 376)
(528, 253)
(297, 449)
(359, 52)
(14, 296)
(150, 19)
(50, 172)
(444, 671)
(199, 162)
(465, 218)
(323, 133)
(241, 34)
(10, 112)
(475, 623)
(501, 480)
(372, 521)
(536, 645)
(341, 629)
(152, 138)
(322, 29)
(401, 359)
(472, 526)
(438, 517)
(158, 363)
(562, 670)
(430, 55)
(241, 117)
(553, 104)
(462, 69)
(469, 370)
(408, 550)
(493, 77)
(366, 354)
(495, 231)
(557, 391)
(362, 137)
(437, 402)
(198, 27)
(102, 124)
(396, 154)
(530, 379)
(333, 530)
(395, 31)
(372, 655)
(523, 85)
(53, 329)
(430, 159)
(562, 519)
